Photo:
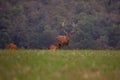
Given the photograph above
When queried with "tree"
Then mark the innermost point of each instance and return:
(114, 37)
(4, 39)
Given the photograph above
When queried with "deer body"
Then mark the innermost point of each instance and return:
(63, 40)
(12, 46)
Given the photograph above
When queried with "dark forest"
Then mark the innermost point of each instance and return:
(34, 24)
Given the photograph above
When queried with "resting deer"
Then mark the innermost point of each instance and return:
(53, 47)
(12, 46)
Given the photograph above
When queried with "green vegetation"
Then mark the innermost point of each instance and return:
(59, 65)
(34, 24)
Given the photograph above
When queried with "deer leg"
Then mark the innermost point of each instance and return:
(60, 45)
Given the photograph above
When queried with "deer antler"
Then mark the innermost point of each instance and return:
(73, 24)
(65, 32)
(63, 25)
(74, 27)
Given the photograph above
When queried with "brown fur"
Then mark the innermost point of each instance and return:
(53, 47)
(12, 46)
(63, 40)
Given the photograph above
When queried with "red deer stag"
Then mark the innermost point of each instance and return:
(63, 40)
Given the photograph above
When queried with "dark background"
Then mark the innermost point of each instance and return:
(34, 24)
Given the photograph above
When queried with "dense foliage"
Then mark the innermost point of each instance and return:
(36, 23)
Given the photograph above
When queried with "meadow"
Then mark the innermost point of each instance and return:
(59, 65)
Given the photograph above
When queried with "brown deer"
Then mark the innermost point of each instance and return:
(53, 47)
(12, 46)
(63, 40)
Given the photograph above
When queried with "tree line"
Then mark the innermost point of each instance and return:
(34, 24)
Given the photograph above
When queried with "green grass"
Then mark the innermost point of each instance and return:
(59, 65)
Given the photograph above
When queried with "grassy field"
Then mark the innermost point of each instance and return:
(59, 65)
